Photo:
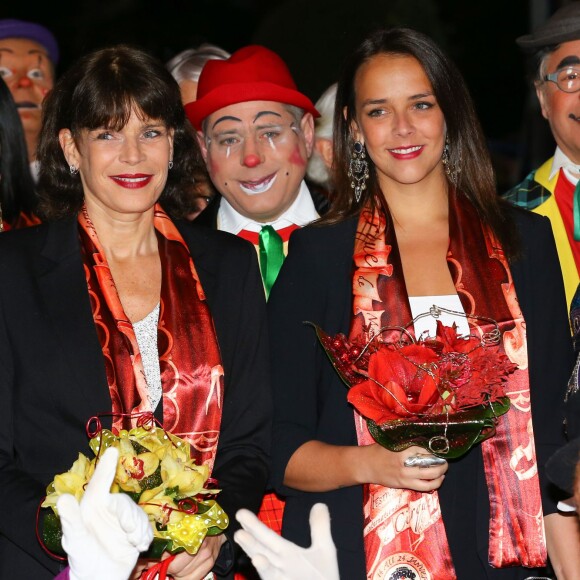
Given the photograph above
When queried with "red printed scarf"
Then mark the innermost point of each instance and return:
(23, 220)
(189, 357)
(404, 527)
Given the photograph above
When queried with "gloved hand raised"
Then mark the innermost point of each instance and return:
(104, 533)
(276, 558)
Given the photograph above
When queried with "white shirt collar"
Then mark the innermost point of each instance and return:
(561, 160)
(300, 213)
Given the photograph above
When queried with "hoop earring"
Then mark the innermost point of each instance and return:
(451, 170)
(73, 169)
(170, 165)
(358, 170)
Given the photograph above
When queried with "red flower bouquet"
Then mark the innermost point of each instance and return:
(444, 393)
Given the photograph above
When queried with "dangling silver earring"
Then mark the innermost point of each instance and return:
(170, 165)
(445, 156)
(451, 170)
(358, 169)
(73, 169)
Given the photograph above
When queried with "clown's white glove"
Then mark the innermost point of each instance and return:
(104, 534)
(276, 558)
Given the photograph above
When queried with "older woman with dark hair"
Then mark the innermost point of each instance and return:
(114, 306)
(416, 222)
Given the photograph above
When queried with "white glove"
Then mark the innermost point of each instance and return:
(104, 534)
(276, 558)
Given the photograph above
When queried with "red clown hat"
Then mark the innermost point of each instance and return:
(252, 73)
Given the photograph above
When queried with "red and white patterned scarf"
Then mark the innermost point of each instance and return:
(189, 356)
(404, 527)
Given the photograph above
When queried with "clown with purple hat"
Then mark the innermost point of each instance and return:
(29, 54)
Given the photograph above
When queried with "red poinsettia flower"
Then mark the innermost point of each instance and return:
(400, 387)
(448, 341)
(416, 393)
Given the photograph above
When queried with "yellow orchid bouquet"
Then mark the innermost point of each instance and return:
(156, 470)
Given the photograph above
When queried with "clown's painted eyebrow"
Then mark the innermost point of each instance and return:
(568, 61)
(226, 118)
(31, 51)
(262, 113)
(235, 119)
(40, 53)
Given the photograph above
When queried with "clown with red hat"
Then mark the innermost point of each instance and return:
(256, 132)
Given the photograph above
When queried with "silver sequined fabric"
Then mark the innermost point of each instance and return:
(146, 334)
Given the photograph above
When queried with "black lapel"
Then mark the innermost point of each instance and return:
(63, 289)
(208, 217)
(204, 248)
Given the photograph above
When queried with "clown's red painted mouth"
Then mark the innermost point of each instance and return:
(258, 186)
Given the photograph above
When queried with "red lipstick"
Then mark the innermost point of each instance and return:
(406, 152)
(132, 180)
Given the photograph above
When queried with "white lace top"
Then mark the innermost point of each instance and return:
(146, 334)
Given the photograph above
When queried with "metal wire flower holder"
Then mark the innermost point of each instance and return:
(443, 428)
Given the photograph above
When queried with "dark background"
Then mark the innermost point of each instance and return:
(313, 36)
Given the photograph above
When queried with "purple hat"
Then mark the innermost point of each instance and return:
(10, 28)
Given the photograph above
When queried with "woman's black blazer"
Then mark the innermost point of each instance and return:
(52, 375)
(315, 285)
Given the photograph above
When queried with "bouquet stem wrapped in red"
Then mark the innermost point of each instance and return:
(444, 394)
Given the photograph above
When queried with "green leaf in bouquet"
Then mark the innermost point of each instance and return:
(214, 531)
(448, 436)
(138, 448)
(52, 533)
(152, 481)
(172, 492)
(134, 495)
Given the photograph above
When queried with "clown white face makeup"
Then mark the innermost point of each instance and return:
(27, 71)
(256, 155)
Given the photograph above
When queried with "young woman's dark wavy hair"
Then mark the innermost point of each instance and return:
(100, 90)
(17, 193)
(467, 147)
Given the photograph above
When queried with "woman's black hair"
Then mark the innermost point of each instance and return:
(101, 90)
(17, 191)
(468, 152)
